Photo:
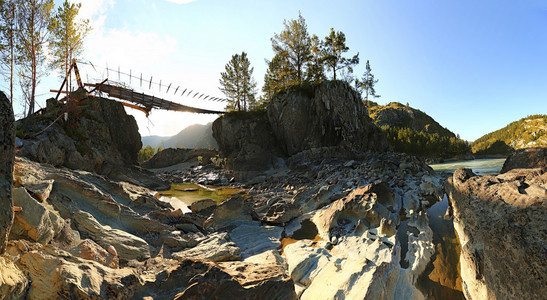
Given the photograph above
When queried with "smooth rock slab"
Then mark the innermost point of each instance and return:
(35, 222)
(215, 247)
(127, 245)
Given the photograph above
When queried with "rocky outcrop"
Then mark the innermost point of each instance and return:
(329, 114)
(97, 136)
(7, 148)
(527, 158)
(500, 221)
(171, 156)
(247, 140)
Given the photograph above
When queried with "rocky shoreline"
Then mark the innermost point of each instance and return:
(317, 219)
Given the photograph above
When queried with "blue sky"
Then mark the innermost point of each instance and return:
(474, 66)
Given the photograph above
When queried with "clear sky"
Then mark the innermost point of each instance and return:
(474, 66)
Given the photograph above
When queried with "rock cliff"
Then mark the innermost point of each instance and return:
(330, 114)
(500, 221)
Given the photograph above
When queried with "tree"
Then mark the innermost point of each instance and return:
(67, 37)
(333, 48)
(237, 83)
(7, 39)
(276, 77)
(294, 46)
(367, 83)
(33, 20)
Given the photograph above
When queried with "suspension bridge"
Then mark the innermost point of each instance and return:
(144, 102)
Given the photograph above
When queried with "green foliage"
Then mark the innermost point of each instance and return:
(238, 84)
(67, 36)
(332, 50)
(518, 134)
(218, 162)
(33, 18)
(8, 27)
(293, 47)
(366, 84)
(424, 144)
(145, 154)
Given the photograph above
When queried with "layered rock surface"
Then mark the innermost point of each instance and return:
(500, 221)
(527, 158)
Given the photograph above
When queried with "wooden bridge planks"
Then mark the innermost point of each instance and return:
(147, 101)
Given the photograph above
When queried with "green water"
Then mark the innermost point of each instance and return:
(479, 166)
(182, 195)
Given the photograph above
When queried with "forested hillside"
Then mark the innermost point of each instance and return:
(412, 131)
(526, 132)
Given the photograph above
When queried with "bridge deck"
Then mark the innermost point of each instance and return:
(146, 101)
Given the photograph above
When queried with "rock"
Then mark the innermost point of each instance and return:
(329, 114)
(281, 213)
(527, 158)
(232, 280)
(98, 136)
(215, 247)
(35, 222)
(54, 274)
(40, 189)
(13, 283)
(230, 213)
(7, 141)
(248, 142)
(90, 250)
(502, 230)
(252, 238)
(127, 245)
(202, 204)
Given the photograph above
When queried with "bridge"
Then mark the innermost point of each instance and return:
(137, 100)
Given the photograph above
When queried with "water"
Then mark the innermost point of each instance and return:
(441, 278)
(479, 166)
(182, 195)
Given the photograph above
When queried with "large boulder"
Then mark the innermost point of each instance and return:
(97, 135)
(329, 114)
(500, 221)
(527, 158)
(7, 142)
(247, 140)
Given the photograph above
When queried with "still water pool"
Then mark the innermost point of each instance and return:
(182, 195)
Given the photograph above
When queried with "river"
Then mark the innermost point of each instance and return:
(441, 278)
(486, 166)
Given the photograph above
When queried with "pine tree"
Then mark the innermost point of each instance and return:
(33, 20)
(333, 48)
(367, 83)
(67, 37)
(8, 41)
(294, 46)
(237, 83)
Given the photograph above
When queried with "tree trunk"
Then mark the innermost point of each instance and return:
(7, 134)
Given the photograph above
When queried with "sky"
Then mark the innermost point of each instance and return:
(474, 66)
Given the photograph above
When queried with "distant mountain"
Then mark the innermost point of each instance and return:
(153, 141)
(412, 131)
(524, 133)
(194, 136)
